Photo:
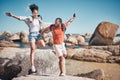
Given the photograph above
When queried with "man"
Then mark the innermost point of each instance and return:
(58, 32)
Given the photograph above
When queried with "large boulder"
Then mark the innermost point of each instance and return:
(33, 77)
(17, 62)
(91, 55)
(104, 34)
(24, 36)
(114, 49)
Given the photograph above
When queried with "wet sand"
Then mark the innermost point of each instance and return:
(111, 70)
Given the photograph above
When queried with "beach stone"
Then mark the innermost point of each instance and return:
(24, 36)
(7, 33)
(88, 35)
(97, 74)
(1, 33)
(116, 40)
(8, 44)
(76, 40)
(104, 34)
(17, 62)
(72, 40)
(15, 36)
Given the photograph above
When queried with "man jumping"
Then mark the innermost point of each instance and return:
(58, 32)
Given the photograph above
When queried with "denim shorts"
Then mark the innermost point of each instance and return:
(34, 36)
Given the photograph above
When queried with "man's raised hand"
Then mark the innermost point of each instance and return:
(74, 15)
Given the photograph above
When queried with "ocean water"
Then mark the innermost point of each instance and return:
(47, 47)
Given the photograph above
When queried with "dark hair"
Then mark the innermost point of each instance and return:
(33, 7)
(58, 19)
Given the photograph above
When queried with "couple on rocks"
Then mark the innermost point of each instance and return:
(34, 23)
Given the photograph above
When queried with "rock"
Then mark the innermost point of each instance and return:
(83, 44)
(88, 35)
(113, 59)
(76, 40)
(70, 53)
(72, 40)
(7, 33)
(70, 45)
(24, 37)
(116, 41)
(91, 55)
(16, 61)
(15, 36)
(104, 34)
(8, 44)
(1, 33)
(97, 74)
(2, 37)
(33, 77)
(114, 49)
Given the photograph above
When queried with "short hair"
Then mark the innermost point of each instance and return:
(33, 7)
(58, 19)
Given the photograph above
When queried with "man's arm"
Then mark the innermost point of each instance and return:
(70, 20)
(46, 30)
(11, 15)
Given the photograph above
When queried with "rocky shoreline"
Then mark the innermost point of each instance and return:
(103, 47)
(13, 60)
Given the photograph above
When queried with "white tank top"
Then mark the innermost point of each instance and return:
(34, 26)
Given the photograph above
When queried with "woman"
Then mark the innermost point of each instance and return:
(34, 24)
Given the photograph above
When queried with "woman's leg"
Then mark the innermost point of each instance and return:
(40, 43)
(32, 52)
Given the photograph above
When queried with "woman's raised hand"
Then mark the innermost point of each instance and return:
(9, 14)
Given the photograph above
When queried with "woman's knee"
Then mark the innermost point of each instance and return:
(32, 50)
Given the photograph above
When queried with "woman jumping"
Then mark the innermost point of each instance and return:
(34, 23)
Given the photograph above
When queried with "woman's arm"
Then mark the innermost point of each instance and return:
(11, 15)
(70, 20)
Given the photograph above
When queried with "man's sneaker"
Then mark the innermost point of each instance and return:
(62, 74)
(31, 72)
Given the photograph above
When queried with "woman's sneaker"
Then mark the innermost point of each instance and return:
(31, 72)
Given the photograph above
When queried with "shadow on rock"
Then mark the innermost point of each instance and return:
(9, 69)
(97, 74)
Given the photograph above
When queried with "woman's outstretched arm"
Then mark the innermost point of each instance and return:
(11, 15)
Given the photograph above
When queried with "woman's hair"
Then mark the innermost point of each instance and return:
(58, 19)
(33, 7)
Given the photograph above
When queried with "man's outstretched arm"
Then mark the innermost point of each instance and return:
(70, 20)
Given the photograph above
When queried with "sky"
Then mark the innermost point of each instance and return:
(89, 13)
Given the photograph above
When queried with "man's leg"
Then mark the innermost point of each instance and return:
(62, 66)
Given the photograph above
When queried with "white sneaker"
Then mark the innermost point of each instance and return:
(62, 74)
